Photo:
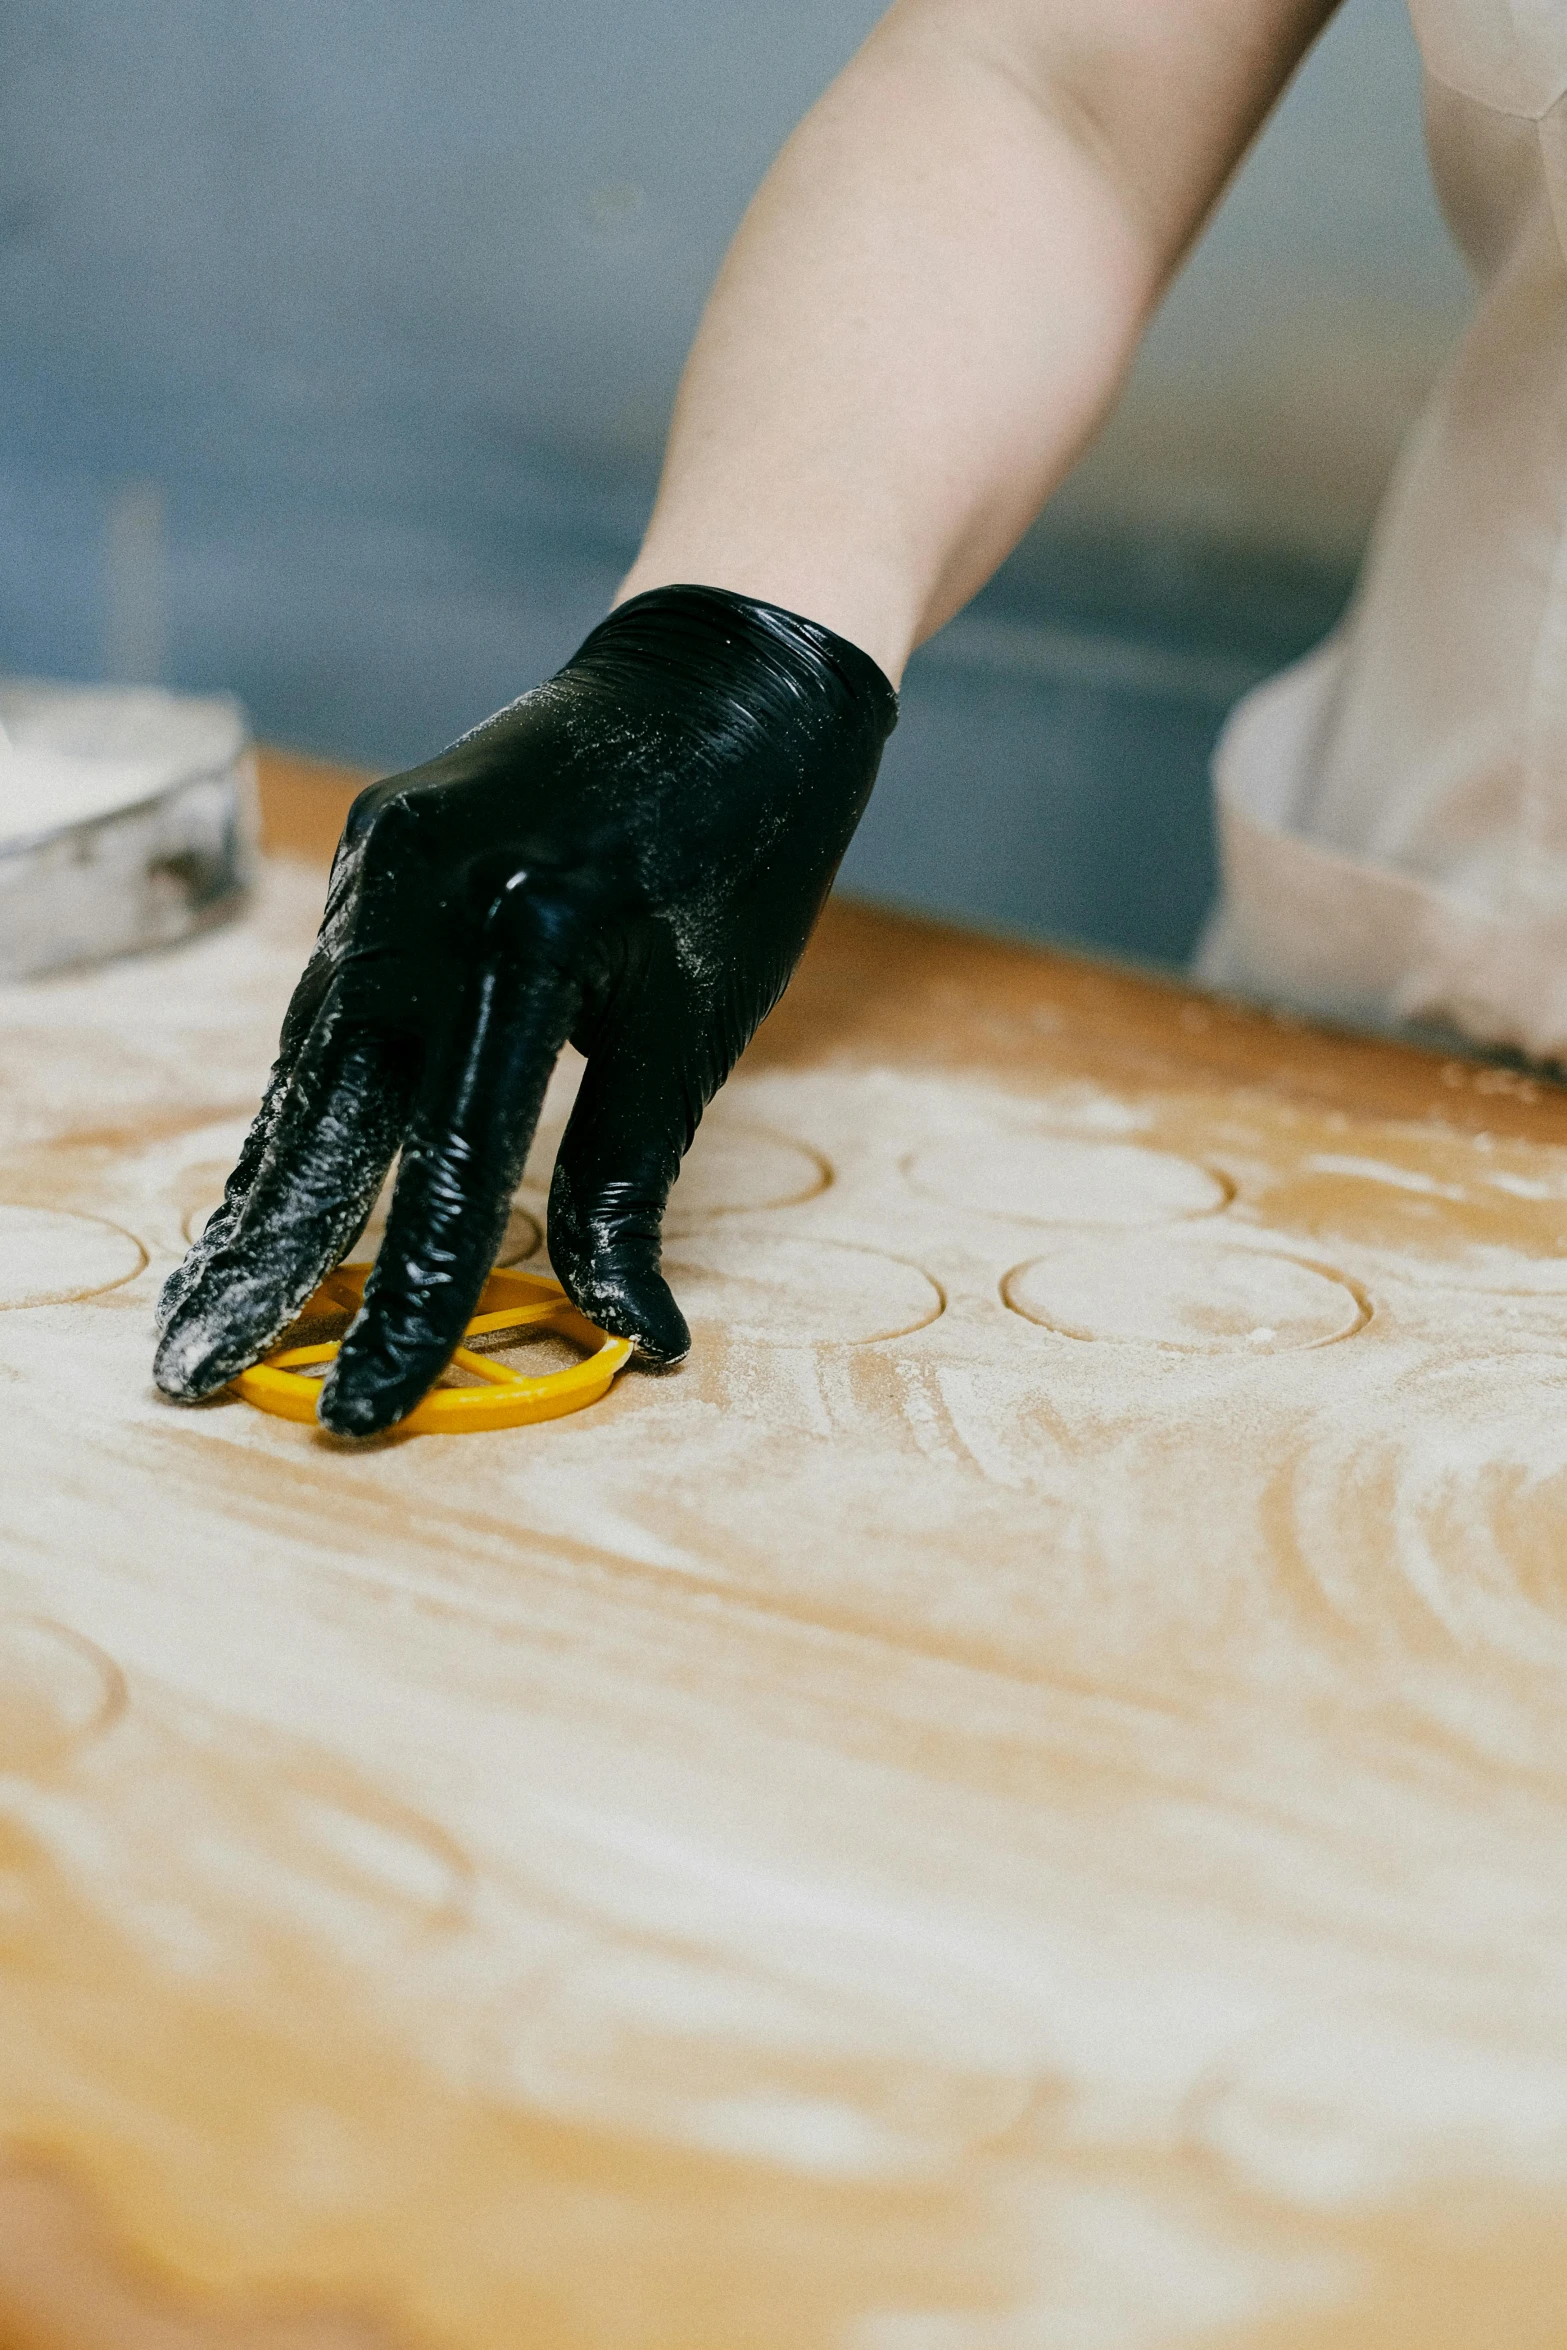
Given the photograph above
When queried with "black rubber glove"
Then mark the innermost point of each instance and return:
(631, 856)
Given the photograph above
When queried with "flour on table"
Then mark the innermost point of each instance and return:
(1160, 1292)
(1033, 1764)
(50, 1255)
(775, 1292)
(1059, 1178)
(56, 1692)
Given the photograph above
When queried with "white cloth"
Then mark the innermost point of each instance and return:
(1393, 810)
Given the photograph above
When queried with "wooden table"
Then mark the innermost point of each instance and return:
(1017, 1800)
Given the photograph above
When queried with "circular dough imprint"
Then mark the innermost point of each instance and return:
(53, 1256)
(366, 1848)
(674, 2047)
(733, 1166)
(798, 1292)
(1348, 2107)
(1066, 1179)
(1153, 1290)
(56, 1691)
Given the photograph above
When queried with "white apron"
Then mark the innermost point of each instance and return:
(1393, 810)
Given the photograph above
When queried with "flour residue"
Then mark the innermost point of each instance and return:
(898, 1832)
(48, 1255)
(752, 1286)
(70, 754)
(1044, 1178)
(1200, 1299)
(57, 1691)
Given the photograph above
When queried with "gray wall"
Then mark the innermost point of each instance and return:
(388, 304)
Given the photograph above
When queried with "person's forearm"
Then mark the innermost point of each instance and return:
(934, 297)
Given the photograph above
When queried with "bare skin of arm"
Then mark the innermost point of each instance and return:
(936, 293)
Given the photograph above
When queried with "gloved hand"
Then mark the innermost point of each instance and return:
(632, 856)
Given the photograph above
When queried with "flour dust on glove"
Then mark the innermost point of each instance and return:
(631, 857)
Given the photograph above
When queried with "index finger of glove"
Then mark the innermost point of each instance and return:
(220, 1226)
(462, 1160)
(304, 1007)
(332, 1136)
(374, 837)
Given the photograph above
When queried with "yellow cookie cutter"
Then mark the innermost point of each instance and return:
(508, 1399)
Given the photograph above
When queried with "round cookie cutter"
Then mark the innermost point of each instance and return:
(507, 1399)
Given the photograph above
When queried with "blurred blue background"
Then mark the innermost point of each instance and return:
(340, 342)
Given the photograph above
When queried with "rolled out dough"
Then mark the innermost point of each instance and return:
(1017, 1800)
(50, 1256)
(1043, 1178)
(1199, 1299)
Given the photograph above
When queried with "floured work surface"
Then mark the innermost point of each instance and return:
(1019, 1800)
